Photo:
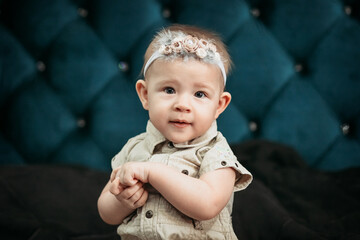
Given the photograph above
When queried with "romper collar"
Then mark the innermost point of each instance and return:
(154, 137)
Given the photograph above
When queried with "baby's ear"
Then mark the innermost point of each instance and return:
(224, 101)
(142, 92)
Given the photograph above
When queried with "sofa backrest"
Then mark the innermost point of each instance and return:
(68, 69)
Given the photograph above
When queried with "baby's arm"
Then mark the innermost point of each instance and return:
(200, 199)
(116, 202)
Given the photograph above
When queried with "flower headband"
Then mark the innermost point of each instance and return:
(174, 44)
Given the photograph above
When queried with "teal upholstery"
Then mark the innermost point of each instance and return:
(68, 69)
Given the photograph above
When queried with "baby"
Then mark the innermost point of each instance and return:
(176, 180)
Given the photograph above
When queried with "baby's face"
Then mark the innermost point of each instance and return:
(184, 98)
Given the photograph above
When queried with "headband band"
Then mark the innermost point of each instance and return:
(171, 45)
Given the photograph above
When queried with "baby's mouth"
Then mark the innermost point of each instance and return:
(180, 123)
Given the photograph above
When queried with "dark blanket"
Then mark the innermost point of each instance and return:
(287, 200)
(51, 202)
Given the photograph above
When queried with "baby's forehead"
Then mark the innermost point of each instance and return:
(180, 66)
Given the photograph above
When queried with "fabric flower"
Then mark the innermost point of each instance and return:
(201, 52)
(203, 44)
(212, 47)
(166, 50)
(176, 46)
(190, 43)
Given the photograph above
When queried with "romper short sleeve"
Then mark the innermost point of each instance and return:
(220, 156)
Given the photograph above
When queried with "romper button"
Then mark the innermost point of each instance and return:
(186, 172)
(236, 165)
(149, 214)
(223, 163)
(170, 145)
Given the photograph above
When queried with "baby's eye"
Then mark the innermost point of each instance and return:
(200, 94)
(169, 90)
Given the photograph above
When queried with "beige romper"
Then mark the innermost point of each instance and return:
(158, 219)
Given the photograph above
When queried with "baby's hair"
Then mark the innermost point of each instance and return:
(195, 32)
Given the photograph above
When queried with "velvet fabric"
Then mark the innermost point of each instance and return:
(68, 69)
(51, 202)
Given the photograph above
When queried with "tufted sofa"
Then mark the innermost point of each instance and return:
(68, 69)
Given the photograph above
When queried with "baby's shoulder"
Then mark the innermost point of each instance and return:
(135, 140)
(122, 156)
(218, 143)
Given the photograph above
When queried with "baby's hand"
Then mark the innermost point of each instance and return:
(116, 187)
(131, 197)
(130, 173)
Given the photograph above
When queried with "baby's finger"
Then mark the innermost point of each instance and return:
(137, 195)
(115, 186)
(142, 200)
(128, 180)
(114, 174)
(130, 191)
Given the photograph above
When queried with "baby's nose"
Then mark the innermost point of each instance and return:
(182, 104)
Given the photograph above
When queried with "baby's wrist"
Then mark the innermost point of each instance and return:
(152, 168)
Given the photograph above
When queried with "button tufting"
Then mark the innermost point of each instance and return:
(123, 66)
(83, 12)
(149, 214)
(41, 66)
(166, 13)
(253, 126)
(81, 123)
(347, 10)
(255, 12)
(299, 67)
(345, 128)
